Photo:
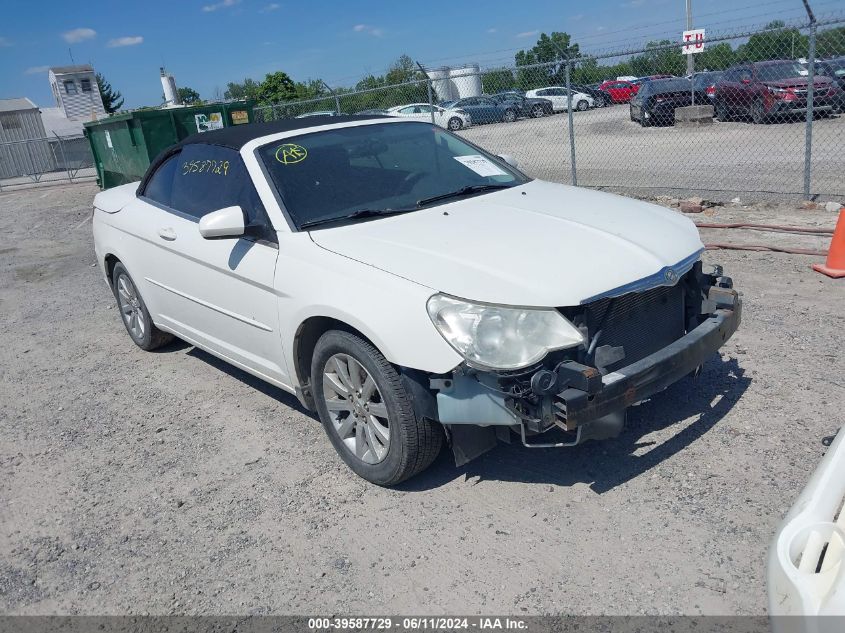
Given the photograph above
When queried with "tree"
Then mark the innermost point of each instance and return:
(831, 42)
(276, 88)
(188, 96)
(112, 99)
(776, 42)
(402, 71)
(717, 57)
(553, 50)
(660, 58)
(494, 81)
(247, 89)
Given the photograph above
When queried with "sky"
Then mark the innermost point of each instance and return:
(207, 43)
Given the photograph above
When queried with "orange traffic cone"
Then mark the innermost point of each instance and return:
(835, 265)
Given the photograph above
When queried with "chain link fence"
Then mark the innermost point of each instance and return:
(44, 160)
(767, 118)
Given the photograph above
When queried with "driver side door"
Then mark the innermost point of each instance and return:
(215, 293)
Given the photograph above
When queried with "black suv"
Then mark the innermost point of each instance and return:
(600, 98)
(656, 100)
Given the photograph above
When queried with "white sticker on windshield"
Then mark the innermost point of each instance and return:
(481, 165)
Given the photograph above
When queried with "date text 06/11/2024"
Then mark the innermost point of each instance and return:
(416, 623)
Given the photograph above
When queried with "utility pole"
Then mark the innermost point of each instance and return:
(690, 62)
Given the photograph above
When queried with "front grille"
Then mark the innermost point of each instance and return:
(639, 322)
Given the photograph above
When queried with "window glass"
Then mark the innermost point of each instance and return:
(778, 72)
(407, 110)
(328, 175)
(210, 177)
(160, 187)
(70, 88)
(86, 85)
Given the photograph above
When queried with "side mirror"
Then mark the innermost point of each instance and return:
(227, 222)
(510, 160)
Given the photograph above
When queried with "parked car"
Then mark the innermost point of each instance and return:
(835, 69)
(359, 265)
(483, 109)
(706, 82)
(805, 574)
(600, 97)
(453, 118)
(771, 90)
(560, 101)
(525, 106)
(656, 100)
(619, 91)
(372, 111)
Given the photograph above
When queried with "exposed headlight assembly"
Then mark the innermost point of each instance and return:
(500, 337)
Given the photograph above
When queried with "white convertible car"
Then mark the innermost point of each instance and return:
(453, 119)
(410, 287)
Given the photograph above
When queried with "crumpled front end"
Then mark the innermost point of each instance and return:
(636, 345)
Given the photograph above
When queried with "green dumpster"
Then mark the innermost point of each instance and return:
(123, 145)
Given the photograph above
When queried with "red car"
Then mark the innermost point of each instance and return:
(771, 90)
(619, 91)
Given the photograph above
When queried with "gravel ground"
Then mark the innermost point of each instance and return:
(161, 483)
(721, 160)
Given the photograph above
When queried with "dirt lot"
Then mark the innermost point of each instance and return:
(135, 482)
(722, 160)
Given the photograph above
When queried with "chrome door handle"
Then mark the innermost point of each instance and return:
(167, 234)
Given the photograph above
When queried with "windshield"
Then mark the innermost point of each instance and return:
(779, 72)
(330, 175)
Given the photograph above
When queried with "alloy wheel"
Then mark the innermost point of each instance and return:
(357, 411)
(130, 307)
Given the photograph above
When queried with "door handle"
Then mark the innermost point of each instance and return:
(167, 233)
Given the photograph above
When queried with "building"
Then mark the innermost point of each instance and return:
(76, 92)
(20, 123)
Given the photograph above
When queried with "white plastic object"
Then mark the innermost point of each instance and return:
(806, 569)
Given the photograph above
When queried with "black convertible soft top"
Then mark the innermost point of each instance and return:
(236, 136)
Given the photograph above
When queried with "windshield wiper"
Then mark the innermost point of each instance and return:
(355, 215)
(463, 191)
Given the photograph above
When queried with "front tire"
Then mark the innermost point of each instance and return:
(455, 124)
(582, 105)
(758, 112)
(133, 312)
(367, 412)
(537, 111)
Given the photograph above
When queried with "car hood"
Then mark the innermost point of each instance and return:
(798, 82)
(538, 244)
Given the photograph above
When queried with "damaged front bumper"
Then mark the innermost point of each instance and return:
(585, 401)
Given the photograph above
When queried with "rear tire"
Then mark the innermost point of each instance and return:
(133, 312)
(537, 111)
(722, 112)
(412, 443)
(509, 116)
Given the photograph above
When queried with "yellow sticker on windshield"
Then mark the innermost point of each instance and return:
(291, 153)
